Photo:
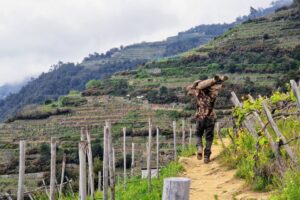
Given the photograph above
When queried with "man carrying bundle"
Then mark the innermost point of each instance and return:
(206, 92)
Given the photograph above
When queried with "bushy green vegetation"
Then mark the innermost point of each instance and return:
(73, 99)
(290, 190)
(255, 167)
(254, 159)
(92, 84)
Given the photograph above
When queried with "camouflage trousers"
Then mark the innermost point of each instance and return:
(205, 125)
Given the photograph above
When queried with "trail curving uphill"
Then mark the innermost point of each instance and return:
(214, 181)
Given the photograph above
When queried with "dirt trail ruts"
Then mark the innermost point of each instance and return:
(214, 181)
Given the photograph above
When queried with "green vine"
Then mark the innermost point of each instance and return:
(251, 105)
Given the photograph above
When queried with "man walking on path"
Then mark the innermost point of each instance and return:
(206, 92)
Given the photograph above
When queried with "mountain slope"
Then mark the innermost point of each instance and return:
(8, 89)
(259, 56)
(64, 77)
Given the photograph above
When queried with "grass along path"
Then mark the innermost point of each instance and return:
(214, 181)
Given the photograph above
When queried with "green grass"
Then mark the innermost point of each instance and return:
(187, 151)
(137, 188)
(291, 189)
(255, 167)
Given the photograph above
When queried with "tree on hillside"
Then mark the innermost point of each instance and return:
(297, 1)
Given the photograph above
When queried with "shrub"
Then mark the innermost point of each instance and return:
(72, 100)
(291, 189)
(92, 84)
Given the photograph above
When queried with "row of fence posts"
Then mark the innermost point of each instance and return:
(109, 173)
(53, 183)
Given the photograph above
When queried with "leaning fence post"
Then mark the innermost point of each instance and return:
(105, 164)
(190, 138)
(247, 123)
(90, 162)
(274, 147)
(21, 170)
(296, 93)
(132, 159)
(124, 156)
(28, 193)
(53, 169)
(183, 133)
(46, 189)
(149, 155)
(279, 134)
(176, 188)
(82, 170)
(63, 166)
(157, 152)
(174, 140)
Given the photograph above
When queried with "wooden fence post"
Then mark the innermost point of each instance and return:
(132, 159)
(28, 193)
(124, 156)
(53, 169)
(20, 195)
(110, 162)
(82, 134)
(279, 134)
(82, 170)
(190, 138)
(63, 166)
(296, 93)
(157, 152)
(105, 164)
(46, 189)
(114, 165)
(70, 186)
(218, 133)
(247, 123)
(183, 133)
(274, 147)
(99, 181)
(176, 188)
(90, 162)
(149, 155)
(174, 140)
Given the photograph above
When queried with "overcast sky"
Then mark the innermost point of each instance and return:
(35, 34)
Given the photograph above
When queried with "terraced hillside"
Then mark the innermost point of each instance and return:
(121, 112)
(259, 56)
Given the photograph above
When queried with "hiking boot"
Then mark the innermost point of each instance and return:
(206, 159)
(199, 153)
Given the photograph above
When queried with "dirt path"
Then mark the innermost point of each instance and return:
(213, 181)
